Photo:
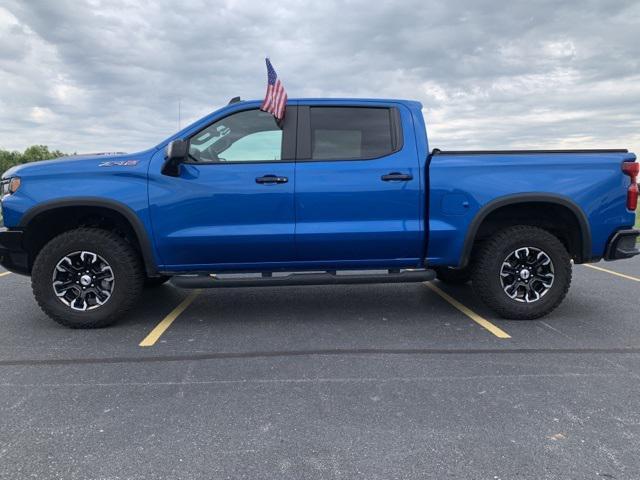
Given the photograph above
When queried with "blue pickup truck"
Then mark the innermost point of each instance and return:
(341, 191)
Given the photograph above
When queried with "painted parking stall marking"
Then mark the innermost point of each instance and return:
(155, 334)
(483, 322)
(611, 272)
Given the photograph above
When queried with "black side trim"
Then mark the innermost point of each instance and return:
(12, 255)
(303, 146)
(622, 245)
(437, 151)
(289, 138)
(585, 229)
(327, 278)
(130, 215)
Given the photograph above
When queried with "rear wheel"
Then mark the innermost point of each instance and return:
(87, 278)
(522, 272)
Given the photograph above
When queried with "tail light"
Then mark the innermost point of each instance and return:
(631, 169)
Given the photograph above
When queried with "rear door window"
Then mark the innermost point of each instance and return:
(351, 133)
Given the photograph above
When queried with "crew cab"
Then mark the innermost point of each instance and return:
(340, 191)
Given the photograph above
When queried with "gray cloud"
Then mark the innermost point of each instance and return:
(107, 75)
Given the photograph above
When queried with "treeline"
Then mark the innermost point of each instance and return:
(32, 154)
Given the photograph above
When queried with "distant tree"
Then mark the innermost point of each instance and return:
(33, 153)
(9, 159)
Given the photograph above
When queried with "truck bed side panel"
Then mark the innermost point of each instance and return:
(461, 184)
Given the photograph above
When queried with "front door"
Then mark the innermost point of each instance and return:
(358, 194)
(232, 206)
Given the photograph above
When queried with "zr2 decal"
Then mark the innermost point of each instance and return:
(119, 163)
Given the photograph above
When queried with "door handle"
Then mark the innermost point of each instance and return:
(269, 179)
(397, 177)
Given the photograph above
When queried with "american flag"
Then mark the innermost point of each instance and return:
(275, 100)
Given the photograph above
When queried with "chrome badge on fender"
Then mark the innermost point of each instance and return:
(119, 163)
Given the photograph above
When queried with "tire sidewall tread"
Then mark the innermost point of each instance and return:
(121, 256)
(486, 272)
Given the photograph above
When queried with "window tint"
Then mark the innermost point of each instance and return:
(339, 133)
(250, 135)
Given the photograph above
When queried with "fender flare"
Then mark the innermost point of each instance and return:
(549, 198)
(133, 219)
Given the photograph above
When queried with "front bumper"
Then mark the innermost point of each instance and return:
(622, 245)
(12, 254)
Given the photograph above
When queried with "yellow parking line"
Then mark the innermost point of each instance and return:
(628, 277)
(483, 322)
(4, 273)
(153, 336)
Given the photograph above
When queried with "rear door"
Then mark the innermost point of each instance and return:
(358, 186)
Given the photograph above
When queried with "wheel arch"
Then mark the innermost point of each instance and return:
(117, 210)
(581, 252)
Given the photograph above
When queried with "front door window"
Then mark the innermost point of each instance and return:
(246, 136)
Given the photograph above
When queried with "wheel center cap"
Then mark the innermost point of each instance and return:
(85, 280)
(525, 274)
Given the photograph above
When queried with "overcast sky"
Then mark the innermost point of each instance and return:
(96, 75)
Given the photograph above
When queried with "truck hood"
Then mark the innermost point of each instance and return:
(81, 163)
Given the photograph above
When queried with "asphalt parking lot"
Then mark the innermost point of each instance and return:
(371, 382)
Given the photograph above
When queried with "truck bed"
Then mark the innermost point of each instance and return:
(467, 185)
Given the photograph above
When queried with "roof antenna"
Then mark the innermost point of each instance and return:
(234, 100)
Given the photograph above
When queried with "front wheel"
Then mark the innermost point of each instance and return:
(87, 278)
(522, 272)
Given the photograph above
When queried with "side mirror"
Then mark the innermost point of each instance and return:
(176, 153)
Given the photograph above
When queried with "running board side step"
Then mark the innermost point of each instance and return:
(291, 279)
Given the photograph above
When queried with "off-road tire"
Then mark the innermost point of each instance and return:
(121, 257)
(486, 280)
(453, 276)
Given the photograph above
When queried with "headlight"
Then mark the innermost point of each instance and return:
(10, 185)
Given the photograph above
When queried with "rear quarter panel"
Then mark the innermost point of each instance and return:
(462, 184)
